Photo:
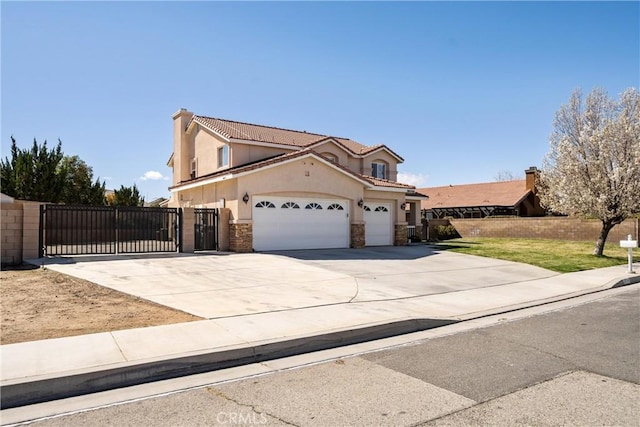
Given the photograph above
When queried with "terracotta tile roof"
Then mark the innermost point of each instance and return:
(259, 133)
(417, 194)
(288, 156)
(378, 182)
(502, 193)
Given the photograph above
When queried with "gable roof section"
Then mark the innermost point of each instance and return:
(502, 193)
(239, 131)
(373, 183)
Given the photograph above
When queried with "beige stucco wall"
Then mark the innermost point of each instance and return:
(330, 147)
(207, 196)
(181, 155)
(241, 154)
(306, 177)
(206, 151)
(355, 164)
(384, 157)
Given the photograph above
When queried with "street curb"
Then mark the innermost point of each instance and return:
(16, 393)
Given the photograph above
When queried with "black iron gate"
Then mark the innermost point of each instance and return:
(206, 230)
(80, 230)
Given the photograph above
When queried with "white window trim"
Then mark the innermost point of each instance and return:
(374, 166)
(193, 171)
(223, 161)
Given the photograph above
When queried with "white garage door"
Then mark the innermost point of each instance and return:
(299, 223)
(378, 230)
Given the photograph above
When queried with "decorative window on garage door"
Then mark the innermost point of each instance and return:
(313, 205)
(367, 209)
(290, 205)
(335, 206)
(265, 204)
(382, 209)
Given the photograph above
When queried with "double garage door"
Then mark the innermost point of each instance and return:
(281, 223)
(299, 223)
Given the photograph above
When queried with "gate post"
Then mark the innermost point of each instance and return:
(31, 230)
(41, 233)
(187, 224)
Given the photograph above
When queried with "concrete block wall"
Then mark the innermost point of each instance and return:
(11, 233)
(558, 228)
(30, 230)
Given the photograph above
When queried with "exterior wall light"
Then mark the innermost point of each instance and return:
(360, 203)
(403, 206)
(245, 198)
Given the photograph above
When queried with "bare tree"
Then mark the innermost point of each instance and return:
(504, 175)
(593, 166)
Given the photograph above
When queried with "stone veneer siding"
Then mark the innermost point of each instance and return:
(241, 237)
(357, 236)
(400, 235)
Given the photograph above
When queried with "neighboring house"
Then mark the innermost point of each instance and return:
(288, 189)
(157, 202)
(517, 198)
(4, 198)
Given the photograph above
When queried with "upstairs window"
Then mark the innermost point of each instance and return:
(331, 157)
(194, 168)
(223, 156)
(379, 170)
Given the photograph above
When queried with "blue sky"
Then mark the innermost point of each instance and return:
(463, 91)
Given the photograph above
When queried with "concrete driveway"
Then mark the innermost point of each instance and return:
(221, 285)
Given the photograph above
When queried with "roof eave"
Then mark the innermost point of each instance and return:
(228, 176)
(195, 120)
(385, 148)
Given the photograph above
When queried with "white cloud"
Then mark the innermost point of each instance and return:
(417, 179)
(107, 178)
(153, 176)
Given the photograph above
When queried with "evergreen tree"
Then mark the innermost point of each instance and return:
(80, 189)
(33, 174)
(126, 196)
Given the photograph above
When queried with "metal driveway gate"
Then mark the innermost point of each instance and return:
(206, 229)
(81, 230)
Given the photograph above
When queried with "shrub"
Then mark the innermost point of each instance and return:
(446, 232)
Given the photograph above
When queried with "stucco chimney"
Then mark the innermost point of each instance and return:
(531, 174)
(181, 149)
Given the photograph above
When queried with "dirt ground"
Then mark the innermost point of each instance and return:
(37, 304)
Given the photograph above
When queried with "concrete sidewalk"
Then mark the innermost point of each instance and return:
(56, 368)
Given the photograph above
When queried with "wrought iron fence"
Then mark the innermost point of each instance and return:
(80, 230)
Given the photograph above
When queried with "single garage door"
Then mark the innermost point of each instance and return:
(378, 228)
(299, 223)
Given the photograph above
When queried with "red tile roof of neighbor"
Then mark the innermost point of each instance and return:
(502, 193)
(259, 133)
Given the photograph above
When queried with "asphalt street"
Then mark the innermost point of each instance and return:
(576, 366)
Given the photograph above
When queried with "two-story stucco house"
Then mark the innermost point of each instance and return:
(287, 189)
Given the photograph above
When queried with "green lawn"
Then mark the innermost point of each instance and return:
(555, 255)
